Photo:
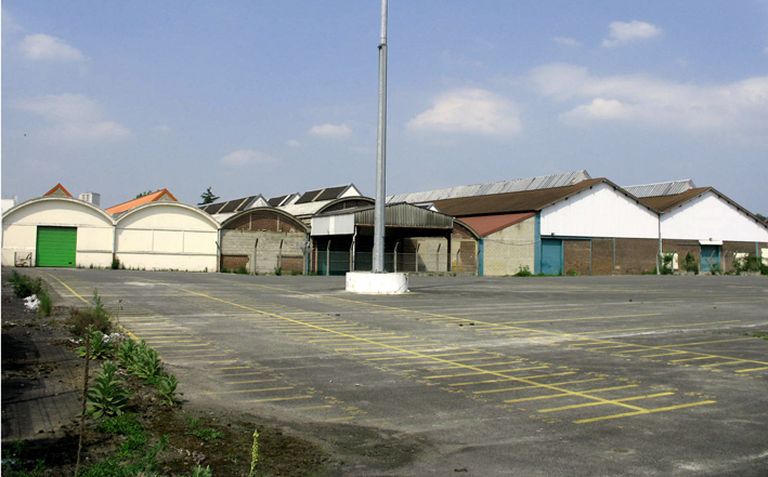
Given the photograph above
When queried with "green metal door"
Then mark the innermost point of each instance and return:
(56, 246)
(710, 258)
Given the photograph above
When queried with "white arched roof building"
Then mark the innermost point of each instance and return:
(57, 232)
(167, 236)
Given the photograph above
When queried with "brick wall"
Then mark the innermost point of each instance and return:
(266, 255)
(577, 257)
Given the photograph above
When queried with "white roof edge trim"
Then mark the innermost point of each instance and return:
(36, 200)
(205, 215)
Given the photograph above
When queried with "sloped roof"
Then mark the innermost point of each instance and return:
(513, 202)
(663, 203)
(660, 188)
(162, 194)
(488, 224)
(397, 215)
(513, 185)
(310, 202)
(58, 191)
(233, 206)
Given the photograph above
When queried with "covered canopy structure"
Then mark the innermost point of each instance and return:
(416, 240)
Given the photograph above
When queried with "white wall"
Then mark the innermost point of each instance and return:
(167, 236)
(599, 212)
(94, 230)
(710, 217)
(333, 225)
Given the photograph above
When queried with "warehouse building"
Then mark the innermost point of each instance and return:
(703, 230)
(57, 230)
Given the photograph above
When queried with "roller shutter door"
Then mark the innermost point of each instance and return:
(56, 246)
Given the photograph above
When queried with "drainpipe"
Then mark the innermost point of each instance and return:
(328, 258)
(394, 256)
(658, 255)
(354, 251)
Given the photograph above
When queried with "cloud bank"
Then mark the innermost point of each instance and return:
(622, 33)
(41, 47)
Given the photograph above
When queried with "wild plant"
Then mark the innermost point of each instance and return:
(166, 387)
(254, 453)
(107, 396)
(101, 346)
(145, 363)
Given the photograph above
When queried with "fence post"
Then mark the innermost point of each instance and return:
(255, 252)
(328, 259)
(394, 258)
(416, 258)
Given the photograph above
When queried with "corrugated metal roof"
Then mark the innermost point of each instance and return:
(275, 201)
(514, 185)
(399, 215)
(309, 196)
(513, 202)
(488, 224)
(665, 202)
(661, 188)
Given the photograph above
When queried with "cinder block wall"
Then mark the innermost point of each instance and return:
(508, 250)
(266, 255)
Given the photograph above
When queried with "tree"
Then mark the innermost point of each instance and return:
(142, 194)
(208, 197)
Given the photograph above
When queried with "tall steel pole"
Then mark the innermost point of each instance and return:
(381, 152)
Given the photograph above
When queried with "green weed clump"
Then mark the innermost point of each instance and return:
(107, 396)
(690, 265)
(95, 317)
(24, 286)
(205, 434)
(523, 271)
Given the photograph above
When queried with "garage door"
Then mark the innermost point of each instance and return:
(56, 246)
(552, 256)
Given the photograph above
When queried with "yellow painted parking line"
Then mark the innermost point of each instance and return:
(658, 327)
(454, 366)
(242, 391)
(234, 367)
(659, 355)
(698, 358)
(517, 388)
(486, 371)
(157, 342)
(73, 292)
(618, 346)
(585, 318)
(730, 340)
(761, 368)
(591, 404)
(223, 361)
(722, 363)
(415, 354)
(312, 408)
(250, 381)
(249, 373)
(503, 380)
(553, 396)
(178, 345)
(290, 398)
(644, 411)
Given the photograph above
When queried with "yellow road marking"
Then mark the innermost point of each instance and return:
(256, 390)
(761, 368)
(488, 371)
(599, 390)
(291, 398)
(516, 388)
(234, 367)
(679, 345)
(722, 363)
(698, 358)
(250, 381)
(659, 355)
(659, 327)
(590, 404)
(644, 411)
(415, 354)
(491, 381)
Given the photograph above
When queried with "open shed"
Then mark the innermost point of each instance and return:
(416, 240)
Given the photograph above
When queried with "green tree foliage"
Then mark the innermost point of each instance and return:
(208, 197)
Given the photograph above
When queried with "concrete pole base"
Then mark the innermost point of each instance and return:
(369, 283)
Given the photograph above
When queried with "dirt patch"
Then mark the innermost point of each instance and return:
(42, 389)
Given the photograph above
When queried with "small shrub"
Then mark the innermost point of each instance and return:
(690, 265)
(278, 270)
(714, 269)
(200, 471)
(107, 397)
(115, 264)
(24, 286)
(46, 304)
(95, 317)
(124, 352)
(254, 453)
(666, 263)
(572, 273)
(523, 271)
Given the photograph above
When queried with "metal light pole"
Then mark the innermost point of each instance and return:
(381, 152)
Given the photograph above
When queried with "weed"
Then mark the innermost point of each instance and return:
(46, 305)
(144, 363)
(24, 286)
(115, 263)
(760, 334)
(254, 453)
(107, 397)
(714, 269)
(200, 471)
(95, 317)
(666, 263)
(205, 434)
(166, 387)
(523, 271)
(572, 273)
(124, 352)
(278, 270)
(101, 346)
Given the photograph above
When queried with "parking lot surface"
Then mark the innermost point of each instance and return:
(639, 375)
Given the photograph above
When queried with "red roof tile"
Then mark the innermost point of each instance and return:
(145, 199)
(488, 224)
(57, 190)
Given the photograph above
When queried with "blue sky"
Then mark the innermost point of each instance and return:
(275, 97)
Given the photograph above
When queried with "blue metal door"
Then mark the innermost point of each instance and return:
(552, 256)
(710, 258)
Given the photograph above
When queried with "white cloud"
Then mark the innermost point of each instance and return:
(73, 118)
(621, 33)
(162, 129)
(567, 41)
(328, 130)
(41, 47)
(740, 105)
(293, 143)
(246, 157)
(471, 111)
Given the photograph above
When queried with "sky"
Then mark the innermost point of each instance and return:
(273, 97)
